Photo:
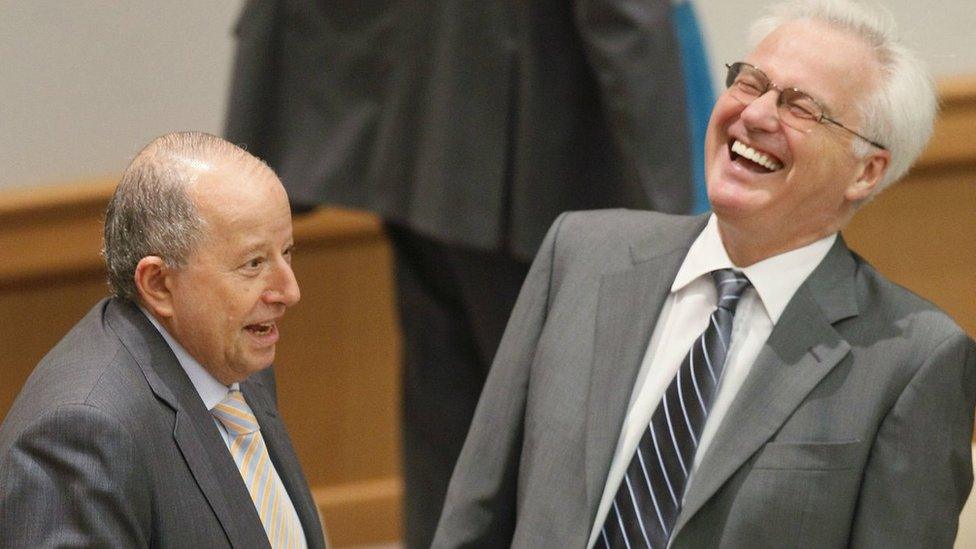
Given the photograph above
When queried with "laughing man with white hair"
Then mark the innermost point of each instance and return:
(738, 379)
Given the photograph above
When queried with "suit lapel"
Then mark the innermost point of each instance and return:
(258, 396)
(628, 305)
(802, 348)
(195, 433)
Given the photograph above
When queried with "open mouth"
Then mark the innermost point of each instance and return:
(752, 159)
(261, 329)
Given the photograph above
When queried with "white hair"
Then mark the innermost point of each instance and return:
(901, 111)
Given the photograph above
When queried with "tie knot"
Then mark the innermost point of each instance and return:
(730, 285)
(234, 413)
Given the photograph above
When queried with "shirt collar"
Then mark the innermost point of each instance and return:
(775, 279)
(211, 390)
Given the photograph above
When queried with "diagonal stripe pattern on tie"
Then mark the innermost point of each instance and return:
(262, 481)
(648, 500)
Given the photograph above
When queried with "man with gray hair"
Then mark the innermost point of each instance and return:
(153, 423)
(739, 379)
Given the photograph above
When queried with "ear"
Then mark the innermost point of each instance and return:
(151, 279)
(872, 169)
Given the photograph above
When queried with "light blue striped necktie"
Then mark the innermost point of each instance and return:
(251, 455)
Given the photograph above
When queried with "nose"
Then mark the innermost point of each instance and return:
(762, 114)
(283, 286)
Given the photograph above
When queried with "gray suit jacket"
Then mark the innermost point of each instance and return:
(853, 428)
(109, 445)
(475, 123)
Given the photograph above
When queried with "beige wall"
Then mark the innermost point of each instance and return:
(942, 32)
(85, 83)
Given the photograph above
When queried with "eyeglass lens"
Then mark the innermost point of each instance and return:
(796, 108)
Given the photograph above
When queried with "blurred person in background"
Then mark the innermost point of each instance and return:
(468, 127)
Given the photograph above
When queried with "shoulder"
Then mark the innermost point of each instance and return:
(584, 246)
(89, 373)
(623, 222)
(616, 231)
(908, 328)
(880, 298)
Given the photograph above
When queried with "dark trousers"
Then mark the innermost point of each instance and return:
(454, 303)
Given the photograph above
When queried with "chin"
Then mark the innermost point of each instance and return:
(261, 366)
(725, 195)
(252, 367)
(731, 205)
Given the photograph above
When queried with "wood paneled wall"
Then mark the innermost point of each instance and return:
(338, 358)
(921, 233)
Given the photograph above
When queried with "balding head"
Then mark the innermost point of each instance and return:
(152, 212)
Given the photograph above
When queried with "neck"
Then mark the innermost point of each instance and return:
(746, 246)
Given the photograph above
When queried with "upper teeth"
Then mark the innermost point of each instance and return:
(760, 158)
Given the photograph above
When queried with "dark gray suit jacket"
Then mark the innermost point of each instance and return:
(852, 429)
(109, 445)
(473, 122)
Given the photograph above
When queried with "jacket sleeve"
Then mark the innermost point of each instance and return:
(919, 473)
(635, 55)
(72, 478)
(481, 505)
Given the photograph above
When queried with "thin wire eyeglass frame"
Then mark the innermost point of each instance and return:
(786, 95)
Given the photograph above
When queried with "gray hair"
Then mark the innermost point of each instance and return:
(901, 112)
(152, 213)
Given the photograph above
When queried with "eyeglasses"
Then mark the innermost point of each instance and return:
(796, 109)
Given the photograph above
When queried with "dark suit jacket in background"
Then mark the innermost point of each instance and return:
(472, 122)
(468, 126)
(853, 428)
(109, 445)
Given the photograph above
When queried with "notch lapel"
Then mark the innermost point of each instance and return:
(194, 432)
(802, 348)
(629, 304)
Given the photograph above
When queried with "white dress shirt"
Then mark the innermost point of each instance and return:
(684, 317)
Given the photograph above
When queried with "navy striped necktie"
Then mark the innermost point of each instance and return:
(648, 500)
